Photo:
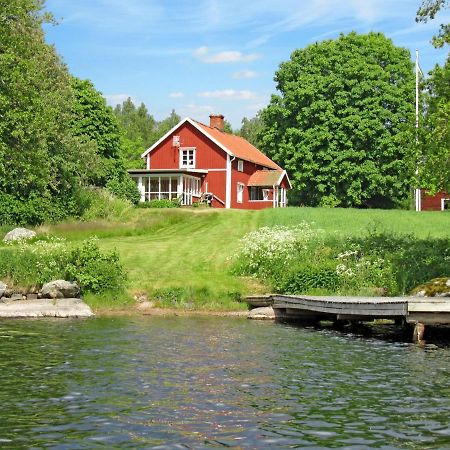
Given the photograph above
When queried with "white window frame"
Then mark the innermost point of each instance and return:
(187, 165)
(240, 165)
(240, 193)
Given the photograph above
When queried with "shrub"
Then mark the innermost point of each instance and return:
(163, 203)
(270, 250)
(93, 270)
(124, 188)
(28, 264)
(304, 278)
(103, 205)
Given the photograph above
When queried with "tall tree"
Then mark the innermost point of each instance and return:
(341, 123)
(138, 128)
(252, 129)
(428, 11)
(41, 163)
(434, 169)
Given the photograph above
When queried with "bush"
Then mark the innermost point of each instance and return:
(163, 203)
(93, 270)
(304, 278)
(103, 205)
(26, 264)
(270, 250)
(124, 188)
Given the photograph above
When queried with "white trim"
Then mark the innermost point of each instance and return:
(240, 165)
(443, 200)
(217, 170)
(418, 199)
(228, 183)
(240, 192)
(180, 157)
(283, 174)
(195, 125)
(147, 165)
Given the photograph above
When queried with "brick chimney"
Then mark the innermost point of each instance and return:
(216, 121)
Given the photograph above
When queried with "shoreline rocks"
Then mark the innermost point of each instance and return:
(19, 234)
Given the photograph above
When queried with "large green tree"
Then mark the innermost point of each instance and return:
(251, 129)
(341, 123)
(434, 169)
(428, 11)
(41, 162)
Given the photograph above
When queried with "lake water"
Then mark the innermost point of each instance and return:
(210, 382)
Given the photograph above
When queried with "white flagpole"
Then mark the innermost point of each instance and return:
(417, 192)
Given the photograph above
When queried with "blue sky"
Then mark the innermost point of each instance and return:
(214, 56)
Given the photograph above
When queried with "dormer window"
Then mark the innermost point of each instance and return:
(187, 158)
(240, 165)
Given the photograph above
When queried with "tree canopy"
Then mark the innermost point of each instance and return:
(41, 161)
(428, 11)
(341, 123)
(434, 169)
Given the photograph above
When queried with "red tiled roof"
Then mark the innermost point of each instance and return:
(265, 178)
(240, 147)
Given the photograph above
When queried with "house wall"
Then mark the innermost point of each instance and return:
(243, 177)
(433, 202)
(211, 157)
(207, 156)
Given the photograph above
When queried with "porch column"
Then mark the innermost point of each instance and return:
(141, 189)
(180, 189)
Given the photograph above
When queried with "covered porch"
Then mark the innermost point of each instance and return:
(182, 185)
(269, 186)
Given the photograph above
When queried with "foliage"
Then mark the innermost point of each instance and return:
(270, 250)
(252, 129)
(139, 129)
(377, 263)
(427, 11)
(39, 156)
(28, 264)
(122, 186)
(163, 203)
(101, 204)
(95, 271)
(341, 124)
(434, 169)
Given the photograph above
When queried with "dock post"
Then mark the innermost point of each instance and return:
(419, 330)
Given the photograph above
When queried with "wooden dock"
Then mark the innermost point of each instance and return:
(418, 311)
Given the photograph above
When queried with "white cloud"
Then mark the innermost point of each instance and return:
(230, 56)
(230, 94)
(245, 74)
(176, 95)
(118, 99)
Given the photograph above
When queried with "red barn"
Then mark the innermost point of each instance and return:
(437, 202)
(196, 162)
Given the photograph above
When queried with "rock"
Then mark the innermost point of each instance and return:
(264, 313)
(15, 297)
(32, 296)
(19, 234)
(60, 289)
(438, 287)
(145, 305)
(3, 288)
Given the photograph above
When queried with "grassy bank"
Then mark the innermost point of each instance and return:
(181, 258)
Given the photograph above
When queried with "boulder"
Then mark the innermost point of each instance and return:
(264, 313)
(60, 289)
(3, 288)
(438, 287)
(19, 234)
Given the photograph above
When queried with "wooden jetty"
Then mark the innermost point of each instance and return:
(417, 311)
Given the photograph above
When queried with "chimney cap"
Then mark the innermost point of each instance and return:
(217, 121)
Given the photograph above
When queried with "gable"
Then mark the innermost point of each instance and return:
(234, 146)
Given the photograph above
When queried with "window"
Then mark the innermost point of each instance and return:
(258, 193)
(240, 192)
(240, 165)
(187, 158)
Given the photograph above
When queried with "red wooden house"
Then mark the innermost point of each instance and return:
(196, 162)
(437, 202)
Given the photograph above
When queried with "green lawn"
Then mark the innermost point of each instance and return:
(185, 253)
